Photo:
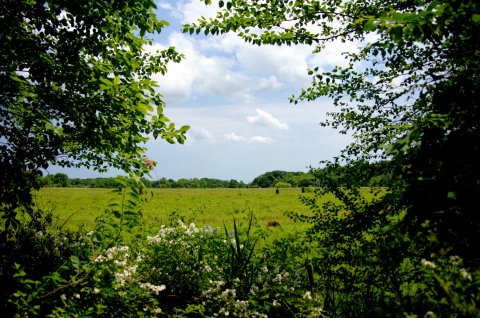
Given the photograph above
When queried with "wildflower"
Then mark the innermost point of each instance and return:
(308, 295)
(126, 275)
(455, 260)
(275, 303)
(154, 288)
(428, 264)
(278, 278)
(241, 304)
(265, 269)
(465, 275)
(157, 311)
(224, 311)
(120, 263)
(96, 290)
(63, 297)
(228, 292)
(77, 296)
(208, 269)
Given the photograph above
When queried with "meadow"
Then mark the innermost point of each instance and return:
(76, 207)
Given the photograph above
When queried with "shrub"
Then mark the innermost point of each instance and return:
(282, 184)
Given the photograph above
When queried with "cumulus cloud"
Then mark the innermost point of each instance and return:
(264, 118)
(261, 139)
(227, 67)
(199, 133)
(165, 6)
(234, 137)
(255, 139)
(204, 72)
(190, 11)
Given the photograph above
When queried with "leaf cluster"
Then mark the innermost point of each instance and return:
(76, 89)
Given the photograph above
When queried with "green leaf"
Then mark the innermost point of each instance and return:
(75, 261)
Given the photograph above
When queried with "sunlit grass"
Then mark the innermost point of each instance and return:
(215, 207)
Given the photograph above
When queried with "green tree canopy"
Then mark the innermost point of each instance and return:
(410, 93)
(76, 88)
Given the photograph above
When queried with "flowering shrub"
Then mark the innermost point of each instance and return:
(213, 274)
(184, 259)
(182, 270)
(448, 287)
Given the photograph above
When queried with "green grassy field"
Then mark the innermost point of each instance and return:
(203, 206)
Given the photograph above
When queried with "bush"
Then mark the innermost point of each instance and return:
(183, 270)
(282, 185)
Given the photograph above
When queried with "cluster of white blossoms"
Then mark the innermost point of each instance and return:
(154, 288)
(280, 277)
(124, 269)
(465, 275)
(454, 260)
(428, 264)
(166, 233)
(127, 275)
(114, 253)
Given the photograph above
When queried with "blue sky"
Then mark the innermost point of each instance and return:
(235, 98)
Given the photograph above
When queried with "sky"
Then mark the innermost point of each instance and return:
(234, 96)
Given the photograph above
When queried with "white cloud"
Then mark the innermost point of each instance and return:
(199, 133)
(206, 73)
(264, 118)
(234, 137)
(165, 6)
(192, 10)
(261, 139)
(255, 139)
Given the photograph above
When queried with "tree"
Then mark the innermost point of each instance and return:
(60, 180)
(76, 89)
(410, 95)
(268, 179)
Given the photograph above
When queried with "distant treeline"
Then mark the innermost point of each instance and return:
(368, 174)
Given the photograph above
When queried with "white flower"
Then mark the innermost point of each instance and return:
(63, 297)
(308, 295)
(208, 269)
(428, 264)
(241, 304)
(465, 275)
(228, 292)
(154, 288)
(77, 296)
(275, 303)
(455, 260)
(96, 290)
(278, 278)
